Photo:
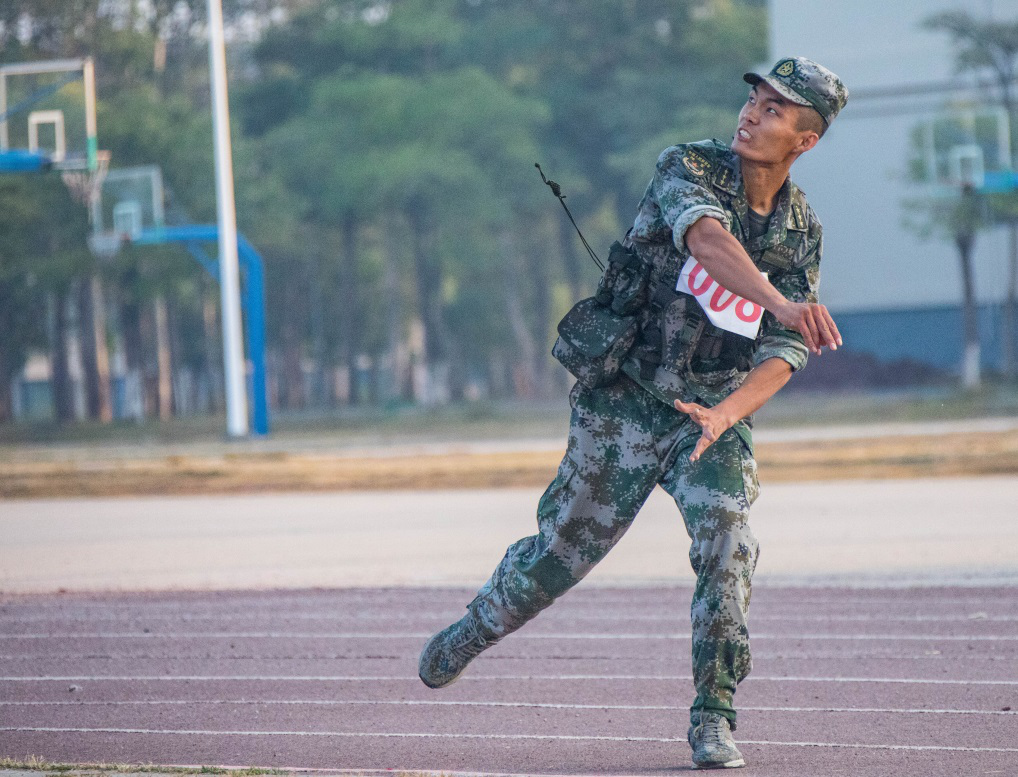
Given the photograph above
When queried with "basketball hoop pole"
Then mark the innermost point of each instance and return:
(91, 142)
(229, 271)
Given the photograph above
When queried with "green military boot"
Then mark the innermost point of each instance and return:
(712, 743)
(447, 654)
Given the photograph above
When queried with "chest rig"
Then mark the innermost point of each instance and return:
(674, 332)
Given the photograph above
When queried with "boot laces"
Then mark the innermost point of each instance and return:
(713, 730)
(472, 642)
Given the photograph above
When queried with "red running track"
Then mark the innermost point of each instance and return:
(857, 682)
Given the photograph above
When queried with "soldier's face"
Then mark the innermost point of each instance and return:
(767, 130)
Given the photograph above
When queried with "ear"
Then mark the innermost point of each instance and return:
(807, 140)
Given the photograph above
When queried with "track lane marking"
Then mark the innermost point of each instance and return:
(525, 705)
(431, 735)
(585, 599)
(757, 655)
(485, 678)
(442, 617)
(516, 637)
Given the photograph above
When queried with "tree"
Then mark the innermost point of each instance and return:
(992, 46)
(42, 245)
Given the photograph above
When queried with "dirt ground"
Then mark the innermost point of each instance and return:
(934, 455)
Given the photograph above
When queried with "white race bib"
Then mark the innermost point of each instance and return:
(725, 310)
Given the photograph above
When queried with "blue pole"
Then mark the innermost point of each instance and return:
(210, 265)
(191, 236)
(254, 298)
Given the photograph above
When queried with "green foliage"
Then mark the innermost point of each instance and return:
(384, 152)
(987, 46)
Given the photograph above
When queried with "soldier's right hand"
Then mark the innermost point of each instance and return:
(812, 320)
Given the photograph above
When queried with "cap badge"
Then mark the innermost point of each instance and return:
(786, 68)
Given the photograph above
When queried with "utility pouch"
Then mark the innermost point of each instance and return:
(594, 341)
(623, 287)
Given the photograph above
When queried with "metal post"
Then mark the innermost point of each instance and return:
(254, 303)
(91, 141)
(4, 138)
(229, 271)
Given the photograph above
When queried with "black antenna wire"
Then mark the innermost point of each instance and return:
(557, 191)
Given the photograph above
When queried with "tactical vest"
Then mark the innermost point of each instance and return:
(674, 332)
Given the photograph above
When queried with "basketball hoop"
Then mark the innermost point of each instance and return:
(85, 185)
(106, 245)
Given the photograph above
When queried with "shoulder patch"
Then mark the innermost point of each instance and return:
(696, 162)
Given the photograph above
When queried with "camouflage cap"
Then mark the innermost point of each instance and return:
(805, 82)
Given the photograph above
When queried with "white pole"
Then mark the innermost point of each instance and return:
(4, 142)
(229, 271)
(91, 142)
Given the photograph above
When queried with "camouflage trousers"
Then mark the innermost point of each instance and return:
(622, 442)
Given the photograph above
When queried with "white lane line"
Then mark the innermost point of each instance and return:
(431, 735)
(442, 618)
(763, 596)
(513, 704)
(516, 637)
(487, 678)
(935, 655)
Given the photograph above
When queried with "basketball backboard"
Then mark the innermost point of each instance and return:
(48, 108)
(963, 146)
(131, 201)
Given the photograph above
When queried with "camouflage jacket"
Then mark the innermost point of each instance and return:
(697, 360)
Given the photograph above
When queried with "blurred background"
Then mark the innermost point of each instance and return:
(414, 264)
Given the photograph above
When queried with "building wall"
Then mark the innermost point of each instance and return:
(855, 177)
(932, 335)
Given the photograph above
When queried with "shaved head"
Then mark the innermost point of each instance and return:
(810, 121)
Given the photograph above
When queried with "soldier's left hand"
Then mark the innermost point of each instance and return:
(713, 424)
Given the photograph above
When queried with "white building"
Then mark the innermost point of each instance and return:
(856, 178)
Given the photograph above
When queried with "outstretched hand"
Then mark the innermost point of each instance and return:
(813, 321)
(713, 424)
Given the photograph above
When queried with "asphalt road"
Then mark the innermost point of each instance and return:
(846, 681)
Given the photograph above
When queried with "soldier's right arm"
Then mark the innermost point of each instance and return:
(724, 258)
(699, 225)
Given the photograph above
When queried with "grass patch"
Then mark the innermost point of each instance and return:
(36, 764)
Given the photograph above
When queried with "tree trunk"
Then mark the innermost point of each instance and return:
(213, 366)
(571, 260)
(970, 373)
(349, 303)
(291, 342)
(1010, 329)
(536, 277)
(6, 376)
(63, 389)
(292, 388)
(320, 397)
(526, 349)
(394, 378)
(428, 275)
(164, 361)
(94, 351)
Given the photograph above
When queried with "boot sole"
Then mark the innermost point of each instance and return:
(735, 764)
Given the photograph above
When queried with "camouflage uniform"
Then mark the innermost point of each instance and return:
(626, 437)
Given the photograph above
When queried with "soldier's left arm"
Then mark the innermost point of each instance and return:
(762, 383)
(780, 351)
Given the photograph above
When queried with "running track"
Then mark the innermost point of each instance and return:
(883, 681)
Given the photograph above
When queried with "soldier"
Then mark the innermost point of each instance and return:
(671, 366)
